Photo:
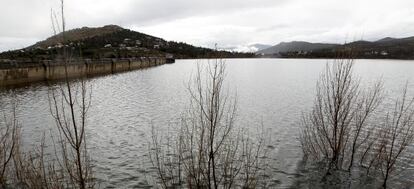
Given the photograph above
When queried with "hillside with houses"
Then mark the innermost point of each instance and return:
(112, 41)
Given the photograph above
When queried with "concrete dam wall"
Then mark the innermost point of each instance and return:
(14, 72)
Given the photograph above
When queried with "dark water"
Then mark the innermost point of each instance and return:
(274, 92)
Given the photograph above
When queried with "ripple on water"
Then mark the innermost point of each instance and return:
(125, 106)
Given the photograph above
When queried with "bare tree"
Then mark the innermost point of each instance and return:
(335, 126)
(362, 129)
(69, 105)
(210, 150)
(9, 141)
(344, 124)
(28, 169)
(70, 113)
(35, 169)
(396, 134)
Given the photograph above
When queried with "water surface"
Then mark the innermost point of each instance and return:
(274, 92)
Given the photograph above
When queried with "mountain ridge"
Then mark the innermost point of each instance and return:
(112, 41)
(388, 47)
(77, 34)
(295, 46)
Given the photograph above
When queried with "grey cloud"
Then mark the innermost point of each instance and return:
(272, 27)
(156, 11)
(227, 22)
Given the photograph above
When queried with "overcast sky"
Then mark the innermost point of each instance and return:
(206, 22)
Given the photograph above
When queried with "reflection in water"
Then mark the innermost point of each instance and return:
(274, 92)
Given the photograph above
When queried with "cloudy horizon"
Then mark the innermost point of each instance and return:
(229, 23)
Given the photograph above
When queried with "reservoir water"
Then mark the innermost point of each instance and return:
(272, 92)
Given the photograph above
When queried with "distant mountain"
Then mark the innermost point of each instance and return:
(113, 41)
(398, 48)
(284, 47)
(386, 39)
(392, 48)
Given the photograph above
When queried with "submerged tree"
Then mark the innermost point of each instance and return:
(9, 142)
(210, 150)
(339, 118)
(344, 124)
(23, 168)
(395, 135)
(34, 169)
